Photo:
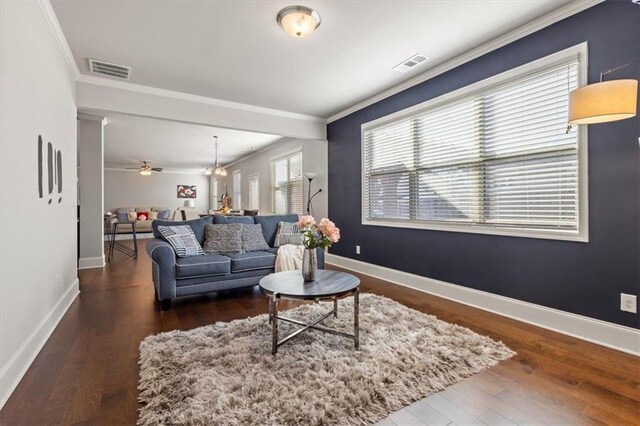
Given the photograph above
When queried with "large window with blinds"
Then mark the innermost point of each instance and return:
(286, 184)
(496, 157)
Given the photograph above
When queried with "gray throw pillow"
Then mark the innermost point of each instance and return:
(223, 238)
(288, 233)
(164, 214)
(252, 238)
(122, 216)
(182, 240)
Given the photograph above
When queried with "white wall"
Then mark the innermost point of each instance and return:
(38, 276)
(314, 160)
(91, 183)
(130, 189)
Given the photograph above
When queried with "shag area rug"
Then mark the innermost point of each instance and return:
(224, 373)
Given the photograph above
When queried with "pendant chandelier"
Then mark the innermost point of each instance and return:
(217, 168)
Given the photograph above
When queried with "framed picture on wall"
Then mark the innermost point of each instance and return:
(187, 191)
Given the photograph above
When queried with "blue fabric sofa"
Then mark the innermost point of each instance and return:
(182, 276)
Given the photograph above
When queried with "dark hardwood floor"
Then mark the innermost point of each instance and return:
(87, 373)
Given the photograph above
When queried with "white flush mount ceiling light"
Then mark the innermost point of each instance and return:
(298, 21)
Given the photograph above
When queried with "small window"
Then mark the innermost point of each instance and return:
(237, 190)
(286, 183)
(213, 193)
(496, 157)
(254, 192)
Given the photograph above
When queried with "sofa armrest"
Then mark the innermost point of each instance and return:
(163, 268)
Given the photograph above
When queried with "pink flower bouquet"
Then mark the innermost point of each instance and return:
(318, 235)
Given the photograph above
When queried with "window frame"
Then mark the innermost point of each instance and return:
(272, 161)
(236, 199)
(254, 177)
(580, 52)
(213, 193)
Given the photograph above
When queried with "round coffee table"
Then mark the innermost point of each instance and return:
(329, 285)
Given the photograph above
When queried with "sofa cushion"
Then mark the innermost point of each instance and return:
(182, 240)
(143, 225)
(273, 250)
(221, 220)
(251, 261)
(252, 238)
(200, 266)
(223, 238)
(270, 225)
(197, 226)
(142, 209)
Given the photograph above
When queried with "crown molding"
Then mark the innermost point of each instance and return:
(91, 117)
(525, 30)
(256, 152)
(133, 87)
(166, 171)
(56, 29)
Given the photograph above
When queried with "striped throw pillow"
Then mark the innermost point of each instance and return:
(182, 239)
(288, 233)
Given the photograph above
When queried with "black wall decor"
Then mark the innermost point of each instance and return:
(54, 171)
(582, 278)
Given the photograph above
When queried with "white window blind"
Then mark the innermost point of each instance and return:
(213, 193)
(237, 190)
(254, 192)
(286, 174)
(497, 157)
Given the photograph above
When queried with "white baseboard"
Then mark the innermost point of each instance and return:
(91, 262)
(625, 339)
(19, 363)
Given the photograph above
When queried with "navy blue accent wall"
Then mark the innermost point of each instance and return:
(583, 278)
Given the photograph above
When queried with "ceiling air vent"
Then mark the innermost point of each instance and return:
(107, 68)
(408, 64)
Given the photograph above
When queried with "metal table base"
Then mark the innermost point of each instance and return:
(313, 325)
(122, 247)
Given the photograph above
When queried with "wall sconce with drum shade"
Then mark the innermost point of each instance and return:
(310, 177)
(298, 21)
(604, 101)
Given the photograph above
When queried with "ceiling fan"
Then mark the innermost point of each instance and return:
(145, 169)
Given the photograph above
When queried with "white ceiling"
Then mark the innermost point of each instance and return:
(129, 140)
(234, 50)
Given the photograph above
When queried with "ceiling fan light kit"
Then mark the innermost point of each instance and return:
(145, 169)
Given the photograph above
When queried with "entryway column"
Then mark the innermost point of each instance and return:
(91, 190)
